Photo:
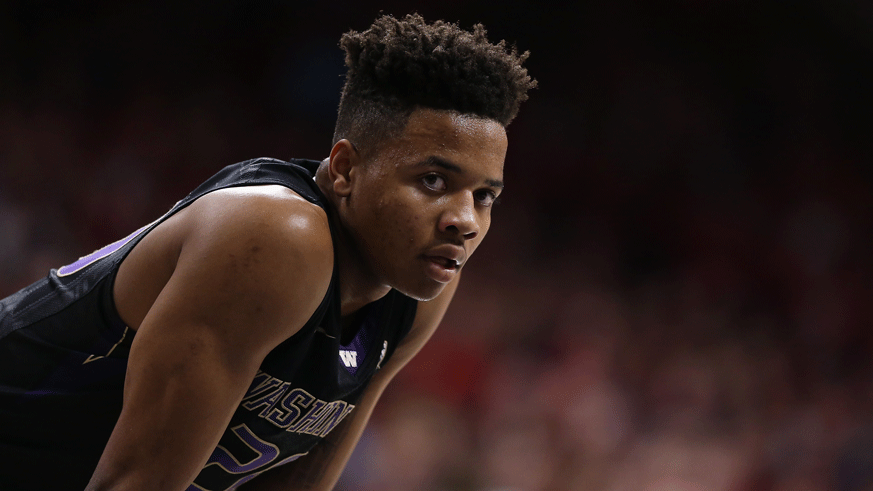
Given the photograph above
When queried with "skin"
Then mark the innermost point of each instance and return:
(396, 206)
(213, 289)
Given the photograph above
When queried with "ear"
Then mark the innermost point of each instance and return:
(344, 160)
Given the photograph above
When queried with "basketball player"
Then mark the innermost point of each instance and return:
(244, 337)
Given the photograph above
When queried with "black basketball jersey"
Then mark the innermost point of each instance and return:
(64, 349)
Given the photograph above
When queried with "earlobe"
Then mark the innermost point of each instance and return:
(343, 159)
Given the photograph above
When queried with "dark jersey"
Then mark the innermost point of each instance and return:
(64, 349)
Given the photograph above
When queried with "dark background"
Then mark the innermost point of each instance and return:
(676, 292)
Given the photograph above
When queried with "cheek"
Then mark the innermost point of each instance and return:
(483, 231)
(413, 224)
(475, 243)
(399, 221)
(404, 207)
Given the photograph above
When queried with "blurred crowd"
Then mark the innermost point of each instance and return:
(676, 293)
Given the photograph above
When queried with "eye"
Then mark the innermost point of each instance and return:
(434, 182)
(486, 197)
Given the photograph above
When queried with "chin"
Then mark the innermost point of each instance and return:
(423, 293)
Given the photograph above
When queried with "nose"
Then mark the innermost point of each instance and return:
(460, 217)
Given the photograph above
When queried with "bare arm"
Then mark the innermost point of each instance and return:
(321, 468)
(249, 267)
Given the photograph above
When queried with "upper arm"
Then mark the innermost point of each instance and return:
(427, 318)
(252, 266)
(255, 263)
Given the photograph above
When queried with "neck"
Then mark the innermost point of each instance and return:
(357, 283)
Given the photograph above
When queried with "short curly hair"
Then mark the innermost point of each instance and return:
(396, 66)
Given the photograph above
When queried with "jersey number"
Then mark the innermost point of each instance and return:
(266, 454)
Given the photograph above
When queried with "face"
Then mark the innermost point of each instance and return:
(418, 209)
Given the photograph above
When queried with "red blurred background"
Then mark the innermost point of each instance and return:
(675, 294)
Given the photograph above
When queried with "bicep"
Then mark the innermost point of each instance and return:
(228, 302)
(428, 316)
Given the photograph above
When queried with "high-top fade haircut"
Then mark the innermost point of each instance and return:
(398, 65)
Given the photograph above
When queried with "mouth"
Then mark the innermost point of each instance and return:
(442, 269)
(446, 262)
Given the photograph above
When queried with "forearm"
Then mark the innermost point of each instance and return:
(169, 425)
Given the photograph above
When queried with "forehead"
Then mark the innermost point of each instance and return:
(464, 139)
(451, 127)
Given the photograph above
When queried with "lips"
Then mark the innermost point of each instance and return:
(450, 256)
(444, 262)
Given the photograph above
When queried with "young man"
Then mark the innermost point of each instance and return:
(250, 331)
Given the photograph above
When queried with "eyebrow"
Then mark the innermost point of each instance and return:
(434, 161)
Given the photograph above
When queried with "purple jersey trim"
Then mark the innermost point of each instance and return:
(98, 254)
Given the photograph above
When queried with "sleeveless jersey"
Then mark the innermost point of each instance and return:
(64, 349)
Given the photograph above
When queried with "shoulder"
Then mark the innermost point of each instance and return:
(254, 255)
(267, 238)
(263, 253)
(269, 215)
